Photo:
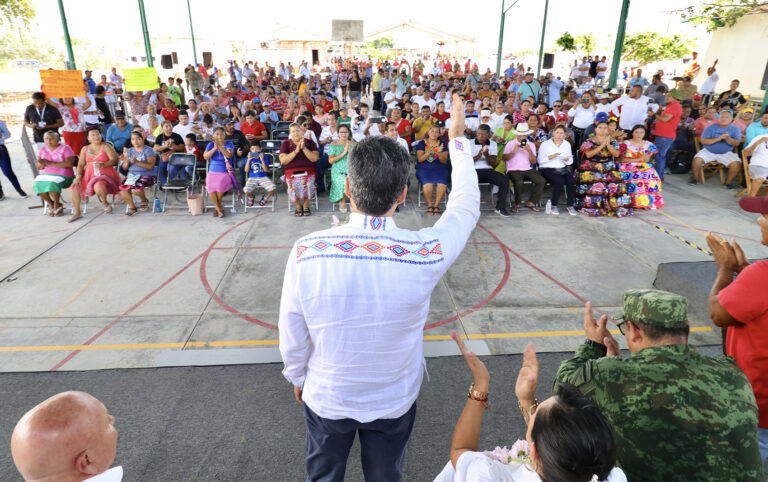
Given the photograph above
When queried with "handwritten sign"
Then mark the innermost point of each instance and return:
(62, 83)
(137, 80)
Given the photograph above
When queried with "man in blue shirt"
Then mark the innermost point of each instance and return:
(718, 141)
(119, 133)
(529, 88)
(757, 128)
(638, 79)
(91, 83)
(268, 115)
(553, 89)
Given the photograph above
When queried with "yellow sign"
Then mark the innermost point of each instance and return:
(137, 80)
(62, 83)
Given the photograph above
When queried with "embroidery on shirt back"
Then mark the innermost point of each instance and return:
(370, 248)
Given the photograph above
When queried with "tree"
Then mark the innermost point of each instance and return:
(646, 47)
(721, 13)
(16, 10)
(566, 42)
(581, 45)
(380, 43)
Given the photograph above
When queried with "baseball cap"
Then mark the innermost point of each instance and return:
(601, 117)
(562, 116)
(748, 110)
(697, 97)
(754, 204)
(675, 93)
(655, 308)
(229, 121)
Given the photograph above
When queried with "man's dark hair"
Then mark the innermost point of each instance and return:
(250, 112)
(183, 112)
(657, 333)
(389, 123)
(192, 137)
(484, 127)
(38, 96)
(377, 170)
(573, 438)
(99, 90)
(363, 104)
(207, 118)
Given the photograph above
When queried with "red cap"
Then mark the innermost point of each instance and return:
(561, 116)
(754, 204)
(697, 97)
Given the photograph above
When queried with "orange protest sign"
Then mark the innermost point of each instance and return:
(62, 83)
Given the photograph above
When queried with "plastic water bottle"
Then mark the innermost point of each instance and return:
(548, 209)
(158, 207)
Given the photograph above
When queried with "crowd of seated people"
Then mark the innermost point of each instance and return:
(644, 128)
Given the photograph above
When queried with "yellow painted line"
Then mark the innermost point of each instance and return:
(682, 222)
(201, 344)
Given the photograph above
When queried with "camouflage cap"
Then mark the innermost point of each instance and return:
(655, 308)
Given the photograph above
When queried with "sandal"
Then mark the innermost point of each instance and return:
(144, 206)
(437, 211)
(533, 208)
(298, 213)
(249, 203)
(107, 209)
(307, 212)
(130, 212)
(430, 211)
(59, 211)
(263, 201)
(516, 209)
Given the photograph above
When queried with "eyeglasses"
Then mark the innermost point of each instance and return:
(558, 105)
(622, 328)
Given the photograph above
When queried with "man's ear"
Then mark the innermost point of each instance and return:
(635, 334)
(403, 195)
(84, 465)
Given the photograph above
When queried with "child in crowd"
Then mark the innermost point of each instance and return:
(190, 147)
(258, 175)
(614, 131)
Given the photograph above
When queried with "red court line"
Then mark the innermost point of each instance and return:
(541, 271)
(150, 295)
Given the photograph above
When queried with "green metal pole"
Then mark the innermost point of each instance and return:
(764, 107)
(501, 39)
(147, 45)
(66, 36)
(543, 29)
(619, 45)
(192, 32)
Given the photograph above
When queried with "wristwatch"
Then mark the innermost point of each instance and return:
(603, 349)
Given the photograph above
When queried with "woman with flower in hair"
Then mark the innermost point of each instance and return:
(600, 189)
(637, 172)
(568, 438)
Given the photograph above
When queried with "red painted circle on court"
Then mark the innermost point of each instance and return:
(231, 309)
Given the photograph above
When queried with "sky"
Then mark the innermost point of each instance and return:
(237, 19)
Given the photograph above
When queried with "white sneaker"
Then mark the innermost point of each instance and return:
(572, 211)
(555, 211)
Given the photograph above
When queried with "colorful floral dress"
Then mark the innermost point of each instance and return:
(600, 190)
(642, 180)
(338, 172)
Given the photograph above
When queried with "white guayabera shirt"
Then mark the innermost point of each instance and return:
(356, 298)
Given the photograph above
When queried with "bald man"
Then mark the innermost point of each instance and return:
(69, 437)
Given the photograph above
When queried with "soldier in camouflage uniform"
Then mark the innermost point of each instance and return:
(677, 415)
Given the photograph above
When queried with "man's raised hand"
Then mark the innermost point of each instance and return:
(457, 117)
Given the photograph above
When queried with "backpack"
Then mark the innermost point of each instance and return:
(680, 162)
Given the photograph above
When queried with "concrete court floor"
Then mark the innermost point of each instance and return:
(172, 290)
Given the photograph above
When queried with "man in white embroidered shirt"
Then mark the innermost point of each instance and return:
(354, 304)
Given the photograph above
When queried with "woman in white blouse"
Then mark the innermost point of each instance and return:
(553, 157)
(569, 439)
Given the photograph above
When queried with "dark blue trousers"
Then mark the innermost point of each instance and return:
(5, 166)
(382, 445)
